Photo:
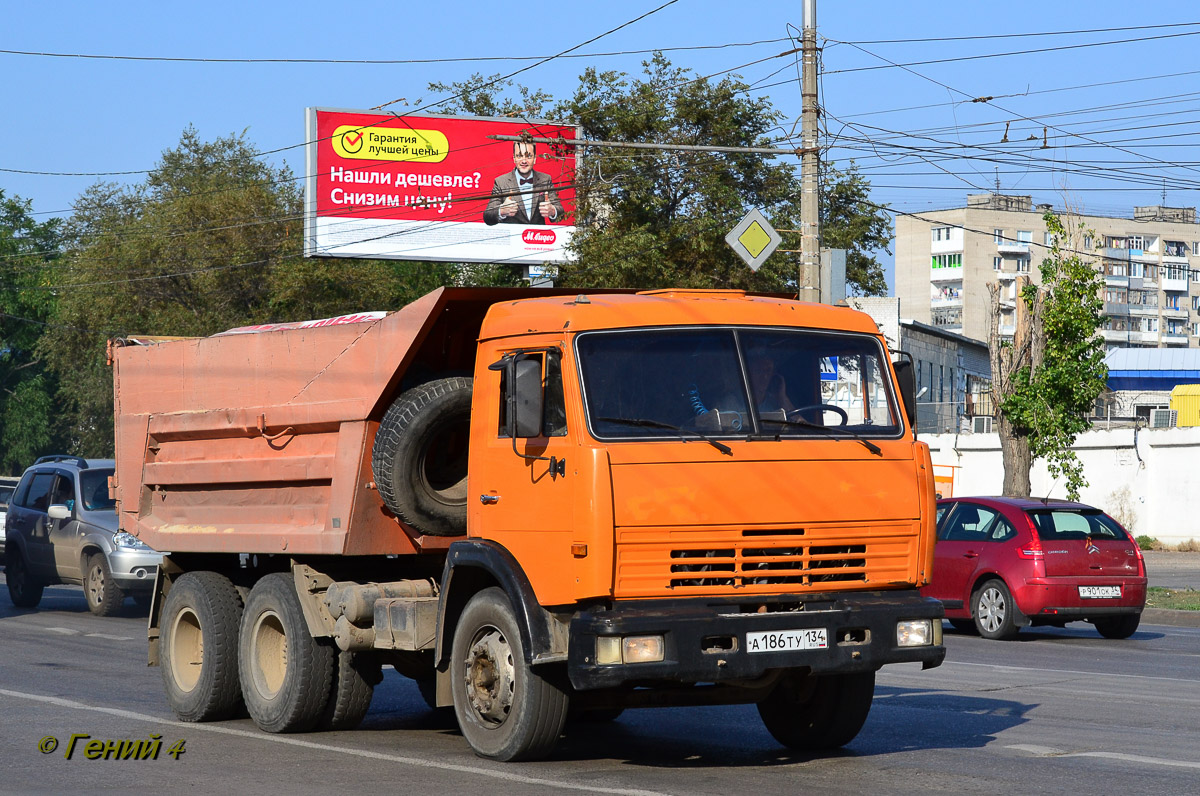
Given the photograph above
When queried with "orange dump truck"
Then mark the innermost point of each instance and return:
(536, 504)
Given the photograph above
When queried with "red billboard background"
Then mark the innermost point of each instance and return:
(434, 174)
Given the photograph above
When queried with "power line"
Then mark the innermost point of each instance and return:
(941, 39)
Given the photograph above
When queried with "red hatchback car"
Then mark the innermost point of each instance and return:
(1001, 563)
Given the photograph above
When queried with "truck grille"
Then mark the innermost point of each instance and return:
(788, 560)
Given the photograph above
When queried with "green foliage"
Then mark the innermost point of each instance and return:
(658, 219)
(210, 241)
(1051, 400)
(28, 253)
(1147, 542)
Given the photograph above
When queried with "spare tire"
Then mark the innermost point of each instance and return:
(420, 456)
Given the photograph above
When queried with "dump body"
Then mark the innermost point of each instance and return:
(261, 443)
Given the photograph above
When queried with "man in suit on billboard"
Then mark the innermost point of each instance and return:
(523, 196)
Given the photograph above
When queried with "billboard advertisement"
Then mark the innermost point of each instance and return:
(379, 185)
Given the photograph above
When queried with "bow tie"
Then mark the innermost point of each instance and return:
(526, 180)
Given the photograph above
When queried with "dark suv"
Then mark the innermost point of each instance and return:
(62, 528)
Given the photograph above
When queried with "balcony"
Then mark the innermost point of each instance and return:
(945, 301)
(1177, 284)
(1143, 310)
(1013, 247)
(1114, 335)
(1178, 338)
(1112, 308)
(1008, 331)
(1114, 279)
(1174, 312)
(953, 274)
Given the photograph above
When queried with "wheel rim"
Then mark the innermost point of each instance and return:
(95, 584)
(187, 650)
(991, 609)
(490, 676)
(269, 653)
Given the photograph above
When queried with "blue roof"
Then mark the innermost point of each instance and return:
(1152, 368)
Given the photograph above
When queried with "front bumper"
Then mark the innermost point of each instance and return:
(133, 569)
(705, 639)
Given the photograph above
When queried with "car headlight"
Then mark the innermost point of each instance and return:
(124, 539)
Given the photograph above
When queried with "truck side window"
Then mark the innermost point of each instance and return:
(554, 405)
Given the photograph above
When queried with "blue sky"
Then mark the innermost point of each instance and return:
(923, 144)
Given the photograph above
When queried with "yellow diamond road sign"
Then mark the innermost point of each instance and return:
(753, 239)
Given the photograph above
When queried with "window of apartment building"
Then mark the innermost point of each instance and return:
(1087, 242)
(1114, 242)
(1151, 324)
(941, 383)
(998, 264)
(1176, 327)
(1171, 302)
(1136, 269)
(952, 399)
(1196, 330)
(1196, 247)
(947, 260)
(1144, 298)
(1114, 268)
(941, 233)
(1025, 237)
(1196, 302)
(1177, 272)
(1116, 295)
(1175, 248)
(1195, 275)
(1048, 238)
(1137, 242)
(998, 236)
(1023, 266)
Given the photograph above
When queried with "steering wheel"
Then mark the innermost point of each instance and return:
(823, 407)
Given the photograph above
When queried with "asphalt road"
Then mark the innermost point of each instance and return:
(1172, 570)
(1057, 711)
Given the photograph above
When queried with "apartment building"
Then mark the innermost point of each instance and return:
(945, 260)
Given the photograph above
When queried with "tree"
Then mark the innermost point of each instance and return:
(1046, 380)
(28, 253)
(658, 219)
(211, 240)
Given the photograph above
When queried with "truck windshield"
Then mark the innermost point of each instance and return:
(742, 383)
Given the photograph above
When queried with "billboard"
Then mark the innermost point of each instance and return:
(384, 186)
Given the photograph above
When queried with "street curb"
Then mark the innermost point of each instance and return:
(1164, 616)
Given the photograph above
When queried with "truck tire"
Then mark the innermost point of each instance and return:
(286, 673)
(104, 596)
(506, 710)
(23, 589)
(354, 679)
(419, 459)
(811, 712)
(198, 647)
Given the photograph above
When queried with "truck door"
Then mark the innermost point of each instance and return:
(523, 490)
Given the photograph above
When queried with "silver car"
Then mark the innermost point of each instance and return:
(7, 487)
(62, 528)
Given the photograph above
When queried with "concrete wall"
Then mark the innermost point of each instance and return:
(1149, 479)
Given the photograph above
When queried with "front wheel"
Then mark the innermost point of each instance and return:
(1117, 626)
(993, 609)
(104, 596)
(23, 589)
(505, 709)
(286, 674)
(811, 712)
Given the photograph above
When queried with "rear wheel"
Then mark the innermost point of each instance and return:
(23, 589)
(104, 596)
(506, 710)
(355, 677)
(993, 609)
(198, 647)
(1117, 626)
(286, 673)
(810, 712)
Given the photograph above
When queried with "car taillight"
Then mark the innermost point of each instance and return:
(1137, 551)
(1032, 550)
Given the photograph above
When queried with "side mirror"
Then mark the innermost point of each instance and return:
(908, 389)
(527, 398)
(59, 512)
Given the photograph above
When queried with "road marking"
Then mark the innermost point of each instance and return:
(292, 741)
(1191, 681)
(1047, 751)
(66, 631)
(108, 636)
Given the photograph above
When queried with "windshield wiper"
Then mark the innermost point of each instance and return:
(871, 446)
(640, 421)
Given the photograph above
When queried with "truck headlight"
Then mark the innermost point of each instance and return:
(916, 633)
(628, 649)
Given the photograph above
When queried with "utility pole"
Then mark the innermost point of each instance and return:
(810, 233)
